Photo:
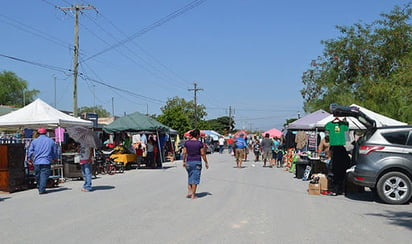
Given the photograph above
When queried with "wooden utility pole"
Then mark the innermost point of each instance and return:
(230, 119)
(113, 106)
(195, 89)
(76, 8)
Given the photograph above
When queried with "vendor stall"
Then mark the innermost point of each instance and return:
(142, 126)
(36, 115)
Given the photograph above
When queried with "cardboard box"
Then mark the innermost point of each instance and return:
(323, 181)
(314, 189)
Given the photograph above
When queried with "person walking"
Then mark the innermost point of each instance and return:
(267, 145)
(42, 152)
(86, 155)
(229, 144)
(256, 150)
(193, 153)
(151, 157)
(240, 147)
(221, 144)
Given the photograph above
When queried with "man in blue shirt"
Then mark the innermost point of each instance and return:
(42, 152)
(240, 146)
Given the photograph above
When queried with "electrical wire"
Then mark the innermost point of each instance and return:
(36, 32)
(150, 27)
(149, 68)
(51, 67)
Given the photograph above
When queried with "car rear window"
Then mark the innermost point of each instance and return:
(397, 137)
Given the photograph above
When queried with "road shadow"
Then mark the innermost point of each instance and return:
(403, 219)
(367, 196)
(235, 167)
(102, 188)
(203, 194)
(57, 189)
(4, 198)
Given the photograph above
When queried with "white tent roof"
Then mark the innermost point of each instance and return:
(381, 120)
(40, 114)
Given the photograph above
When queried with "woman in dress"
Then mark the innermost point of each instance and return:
(193, 153)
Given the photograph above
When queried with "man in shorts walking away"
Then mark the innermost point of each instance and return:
(240, 147)
(267, 145)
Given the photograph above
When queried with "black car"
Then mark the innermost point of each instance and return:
(382, 158)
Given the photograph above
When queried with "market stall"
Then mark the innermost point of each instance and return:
(140, 125)
(36, 115)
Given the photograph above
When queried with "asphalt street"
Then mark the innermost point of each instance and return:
(249, 205)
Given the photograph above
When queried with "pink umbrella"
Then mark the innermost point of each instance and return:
(273, 132)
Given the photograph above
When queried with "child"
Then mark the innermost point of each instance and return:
(256, 150)
(139, 153)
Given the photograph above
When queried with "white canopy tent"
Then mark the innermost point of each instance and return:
(381, 120)
(40, 114)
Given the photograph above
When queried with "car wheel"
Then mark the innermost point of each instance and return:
(394, 188)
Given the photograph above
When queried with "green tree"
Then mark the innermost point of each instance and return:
(222, 125)
(13, 90)
(366, 65)
(99, 110)
(179, 114)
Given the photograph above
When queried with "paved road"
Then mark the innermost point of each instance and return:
(249, 205)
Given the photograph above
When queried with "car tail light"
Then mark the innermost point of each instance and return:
(359, 178)
(368, 149)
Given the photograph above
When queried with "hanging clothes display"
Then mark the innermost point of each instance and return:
(59, 134)
(290, 140)
(301, 141)
(337, 129)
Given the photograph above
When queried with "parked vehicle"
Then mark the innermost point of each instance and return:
(382, 159)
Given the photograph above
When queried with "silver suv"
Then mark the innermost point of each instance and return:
(382, 159)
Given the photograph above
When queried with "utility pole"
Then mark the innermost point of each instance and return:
(76, 8)
(230, 118)
(94, 99)
(113, 106)
(231, 112)
(195, 89)
(55, 103)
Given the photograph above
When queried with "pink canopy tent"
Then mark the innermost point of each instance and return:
(273, 132)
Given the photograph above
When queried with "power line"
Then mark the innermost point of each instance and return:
(152, 26)
(51, 67)
(83, 76)
(146, 65)
(26, 28)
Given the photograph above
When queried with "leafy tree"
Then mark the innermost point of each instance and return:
(369, 64)
(179, 114)
(13, 90)
(99, 110)
(222, 125)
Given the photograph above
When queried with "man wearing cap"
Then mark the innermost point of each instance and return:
(42, 152)
(240, 146)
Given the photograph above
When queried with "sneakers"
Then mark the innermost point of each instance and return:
(85, 190)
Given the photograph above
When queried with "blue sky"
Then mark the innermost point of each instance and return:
(246, 54)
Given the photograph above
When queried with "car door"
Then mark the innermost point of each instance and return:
(408, 149)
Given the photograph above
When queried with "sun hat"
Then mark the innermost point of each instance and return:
(41, 131)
